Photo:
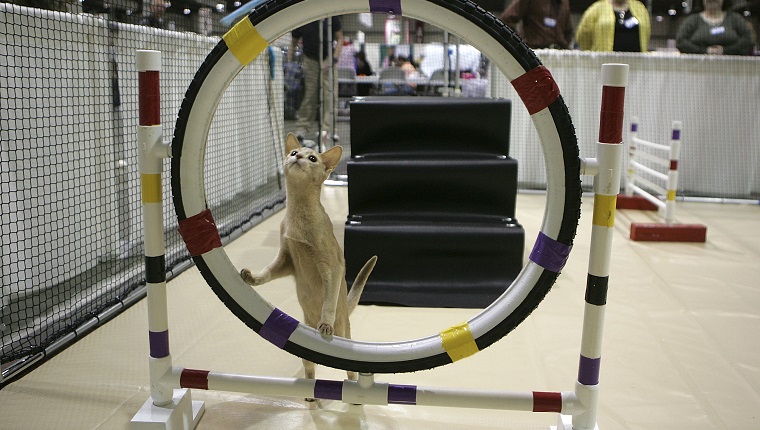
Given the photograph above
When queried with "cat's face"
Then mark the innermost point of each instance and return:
(303, 163)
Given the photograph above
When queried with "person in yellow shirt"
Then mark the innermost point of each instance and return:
(614, 25)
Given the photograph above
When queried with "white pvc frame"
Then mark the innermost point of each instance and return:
(166, 405)
(634, 183)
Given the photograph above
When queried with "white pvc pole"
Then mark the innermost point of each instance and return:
(606, 188)
(675, 155)
(150, 153)
(631, 172)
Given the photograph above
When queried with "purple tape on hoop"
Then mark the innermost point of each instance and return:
(278, 327)
(392, 7)
(549, 254)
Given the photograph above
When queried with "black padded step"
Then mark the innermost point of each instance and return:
(414, 125)
(457, 187)
(444, 263)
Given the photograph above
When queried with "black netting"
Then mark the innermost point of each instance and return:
(71, 217)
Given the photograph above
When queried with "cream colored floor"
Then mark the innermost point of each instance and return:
(681, 343)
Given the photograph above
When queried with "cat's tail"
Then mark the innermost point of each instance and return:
(358, 286)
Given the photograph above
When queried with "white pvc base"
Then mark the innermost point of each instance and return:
(565, 422)
(182, 414)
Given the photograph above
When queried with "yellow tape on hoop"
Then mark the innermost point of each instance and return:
(458, 342)
(244, 41)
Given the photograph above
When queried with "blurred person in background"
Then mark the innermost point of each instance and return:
(543, 23)
(715, 30)
(390, 59)
(156, 15)
(361, 64)
(71, 6)
(314, 78)
(614, 25)
(363, 68)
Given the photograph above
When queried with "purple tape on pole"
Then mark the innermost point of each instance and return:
(634, 127)
(402, 394)
(392, 7)
(278, 327)
(332, 390)
(549, 254)
(676, 135)
(588, 370)
(159, 343)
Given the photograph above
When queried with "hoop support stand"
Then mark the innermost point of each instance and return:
(167, 408)
(171, 406)
(606, 169)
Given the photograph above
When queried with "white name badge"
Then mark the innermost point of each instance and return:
(717, 30)
(550, 22)
(631, 22)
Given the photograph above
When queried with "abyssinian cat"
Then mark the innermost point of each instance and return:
(309, 250)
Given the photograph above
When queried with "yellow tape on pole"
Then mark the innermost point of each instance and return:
(604, 210)
(151, 187)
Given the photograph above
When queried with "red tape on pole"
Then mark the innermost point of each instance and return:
(192, 378)
(150, 98)
(611, 117)
(547, 402)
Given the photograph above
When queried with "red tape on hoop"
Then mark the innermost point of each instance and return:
(537, 89)
(200, 233)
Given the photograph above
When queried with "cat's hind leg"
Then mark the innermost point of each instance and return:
(309, 368)
(310, 371)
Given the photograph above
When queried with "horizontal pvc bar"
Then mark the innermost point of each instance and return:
(504, 400)
(651, 144)
(659, 203)
(654, 189)
(650, 170)
(653, 158)
(370, 392)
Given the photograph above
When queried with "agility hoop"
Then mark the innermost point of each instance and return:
(533, 83)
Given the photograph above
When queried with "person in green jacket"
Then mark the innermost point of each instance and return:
(614, 25)
(714, 31)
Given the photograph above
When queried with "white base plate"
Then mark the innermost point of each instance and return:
(182, 414)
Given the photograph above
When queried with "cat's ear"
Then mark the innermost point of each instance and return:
(291, 143)
(331, 157)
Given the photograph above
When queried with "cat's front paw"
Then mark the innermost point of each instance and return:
(326, 329)
(249, 278)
